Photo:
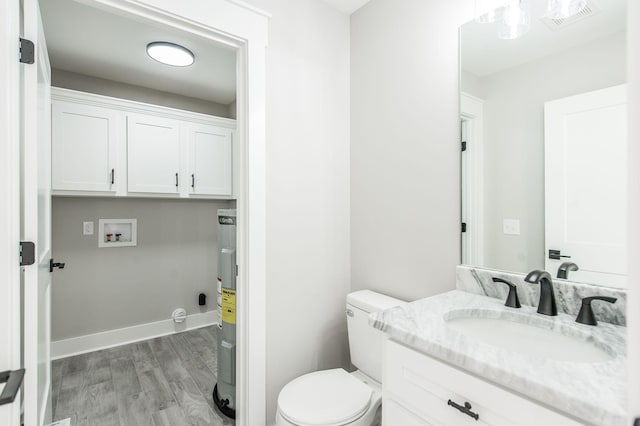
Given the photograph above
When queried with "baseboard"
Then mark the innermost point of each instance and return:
(121, 336)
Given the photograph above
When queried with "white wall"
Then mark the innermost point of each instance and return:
(307, 190)
(514, 141)
(100, 86)
(405, 173)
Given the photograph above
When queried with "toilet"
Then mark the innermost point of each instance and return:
(336, 397)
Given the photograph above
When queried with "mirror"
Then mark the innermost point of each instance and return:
(544, 124)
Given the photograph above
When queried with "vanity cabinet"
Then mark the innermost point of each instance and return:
(105, 146)
(84, 141)
(420, 390)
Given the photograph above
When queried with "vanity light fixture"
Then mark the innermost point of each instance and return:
(563, 9)
(170, 53)
(516, 19)
(486, 13)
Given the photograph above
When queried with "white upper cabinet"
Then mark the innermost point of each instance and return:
(153, 154)
(84, 147)
(210, 160)
(105, 146)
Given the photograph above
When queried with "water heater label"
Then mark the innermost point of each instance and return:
(228, 306)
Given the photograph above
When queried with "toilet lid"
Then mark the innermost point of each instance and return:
(328, 397)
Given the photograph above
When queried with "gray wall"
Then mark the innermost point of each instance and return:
(405, 185)
(107, 288)
(514, 141)
(307, 190)
(100, 86)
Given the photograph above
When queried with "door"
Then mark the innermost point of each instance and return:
(36, 222)
(10, 306)
(210, 160)
(586, 185)
(83, 147)
(153, 146)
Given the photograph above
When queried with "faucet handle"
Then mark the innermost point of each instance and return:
(512, 298)
(586, 316)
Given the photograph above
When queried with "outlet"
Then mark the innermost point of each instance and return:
(511, 227)
(87, 228)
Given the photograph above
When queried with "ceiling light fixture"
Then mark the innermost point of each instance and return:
(170, 53)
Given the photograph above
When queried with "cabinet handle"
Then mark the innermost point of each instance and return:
(193, 181)
(113, 176)
(176, 180)
(466, 409)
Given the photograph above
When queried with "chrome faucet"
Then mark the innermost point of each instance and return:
(563, 270)
(547, 303)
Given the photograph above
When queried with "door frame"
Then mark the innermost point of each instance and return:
(243, 28)
(633, 289)
(471, 112)
(10, 304)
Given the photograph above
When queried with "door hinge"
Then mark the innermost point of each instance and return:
(27, 253)
(464, 146)
(236, 270)
(27, 51)
(464, 227)
(637, 422)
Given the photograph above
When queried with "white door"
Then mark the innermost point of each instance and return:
(153, 146)
(10, 306)
(586, 185)
(36, 222)
(84, 147)
(210, 160)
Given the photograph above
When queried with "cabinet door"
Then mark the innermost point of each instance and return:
(210, 160)
(394, 414)
(153, 147)
(83, 147)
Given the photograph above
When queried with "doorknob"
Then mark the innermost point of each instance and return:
(53, 264)
(555, 254)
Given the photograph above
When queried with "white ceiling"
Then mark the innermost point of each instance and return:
(90, 41)
(347, 6)
(483, 53)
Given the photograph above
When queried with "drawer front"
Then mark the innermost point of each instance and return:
(425, 386)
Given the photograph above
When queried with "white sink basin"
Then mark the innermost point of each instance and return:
(528, 334)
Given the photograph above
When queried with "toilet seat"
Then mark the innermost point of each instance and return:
(328, 397)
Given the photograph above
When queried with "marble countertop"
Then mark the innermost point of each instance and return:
(593, 392)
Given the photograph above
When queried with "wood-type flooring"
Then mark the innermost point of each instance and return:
(166, 381)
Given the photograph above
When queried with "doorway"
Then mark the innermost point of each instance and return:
(234, 26)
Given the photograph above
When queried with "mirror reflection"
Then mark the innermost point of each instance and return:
(544, 121)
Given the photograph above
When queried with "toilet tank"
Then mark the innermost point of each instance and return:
(366, 342)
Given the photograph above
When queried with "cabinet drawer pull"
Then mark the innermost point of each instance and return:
(466, 409)
(176, 180)
(193, 181)
(113, 176)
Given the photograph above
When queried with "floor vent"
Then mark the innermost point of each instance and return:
(558, 24)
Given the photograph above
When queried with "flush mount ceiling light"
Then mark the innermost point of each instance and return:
(170, 53)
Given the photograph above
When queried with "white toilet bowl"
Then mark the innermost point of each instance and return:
(329, 398)
(336, 397)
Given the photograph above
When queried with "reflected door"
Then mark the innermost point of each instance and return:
(585, 185)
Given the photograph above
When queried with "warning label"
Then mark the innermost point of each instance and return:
(228, 306)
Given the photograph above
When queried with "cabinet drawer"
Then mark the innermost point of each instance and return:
(425, 385)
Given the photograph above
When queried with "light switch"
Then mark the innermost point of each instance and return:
(87, 228)
(511, 226)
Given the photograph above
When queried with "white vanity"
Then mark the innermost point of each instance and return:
(438, 373)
